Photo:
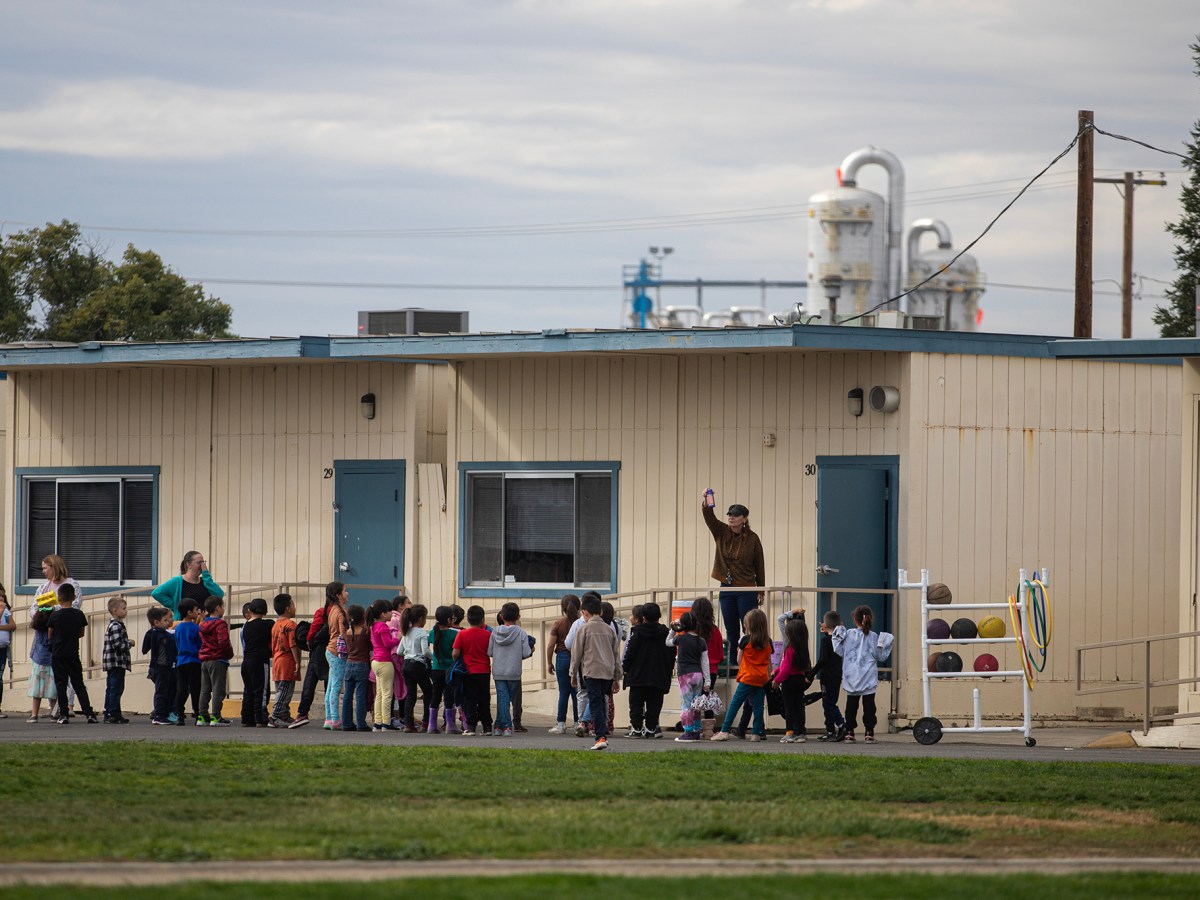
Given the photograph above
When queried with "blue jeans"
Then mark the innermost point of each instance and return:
(562, 671)
(114, 687)
(747, 693)
(598, 691)
(357, 677)
(504, 697)
(333, 686)
(734, 606)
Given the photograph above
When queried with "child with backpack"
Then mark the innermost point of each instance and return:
(441, 646)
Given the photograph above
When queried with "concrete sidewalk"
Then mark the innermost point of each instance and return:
(1053, 743)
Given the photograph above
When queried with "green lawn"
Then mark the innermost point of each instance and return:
(916, 887)
(111, 801)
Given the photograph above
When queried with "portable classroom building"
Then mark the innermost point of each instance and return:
(1001, 454)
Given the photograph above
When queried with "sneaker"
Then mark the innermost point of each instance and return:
(177, 722)
(758, 737)
(849, 738)
(720, 736)
(601, 744)
(63, 720)
(508, 732)
(468, 732)
(220, 722)
(154, 721)
(201, 720)
(172, 718)
(122, 721)
(869, 737)
(378, 728)
(739, 733)
(299, 720)
(788, 738)
(32, 720)
(329, 725)
(827, 736)
(658, 732)
(580, 729)
(520, 729)
(559, 728)
(634, 733)
(275, 723)
(842, 733)
(688, 737)
(92, 720)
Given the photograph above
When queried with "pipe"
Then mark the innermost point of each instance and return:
(922, 226)
(895, 212)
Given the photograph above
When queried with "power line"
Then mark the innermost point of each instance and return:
(402, 286)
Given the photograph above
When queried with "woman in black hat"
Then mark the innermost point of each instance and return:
(738, 565)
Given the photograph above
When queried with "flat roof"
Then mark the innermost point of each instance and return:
(439, 348)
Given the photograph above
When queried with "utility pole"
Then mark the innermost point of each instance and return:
(1083, 227)
(1127, 256)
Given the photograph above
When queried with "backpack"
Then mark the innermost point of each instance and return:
(301, 636)
(318, 631)
(457, 671)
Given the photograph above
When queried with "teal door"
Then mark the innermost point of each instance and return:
(856, 532)
(369, 522)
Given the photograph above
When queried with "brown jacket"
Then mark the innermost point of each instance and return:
(739, 558)
(595, 653)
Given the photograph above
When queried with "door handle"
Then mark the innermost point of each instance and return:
(827, 570)
(345, 567)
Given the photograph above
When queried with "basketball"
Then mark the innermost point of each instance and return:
(985, 662)
(991, 627)
(938, 595)
(931, 664)
(937, 629)
(963, 629)
(950, 662)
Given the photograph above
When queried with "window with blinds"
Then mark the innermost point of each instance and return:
(103, 528)
(548, 529)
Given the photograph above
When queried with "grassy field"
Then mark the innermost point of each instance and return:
(827, 887)
(113, 801)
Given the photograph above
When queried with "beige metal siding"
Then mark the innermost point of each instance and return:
(1071, 465)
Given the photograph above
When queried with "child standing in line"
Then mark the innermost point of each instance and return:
(285, 660)
(862, 650)
(596, 665)
(441, 647)
(7, 627)
(471, 645)
(384, 641)
(318, 666)
(187, 662)
(256, 663)
(691, 662)
(66, 627)
(358, 670)
(414, 648)
(754, 670)
(116, 661)
(509, 647)
(829, 669)
(647, 664)
(159, 645)
(41, 674)
(792, 675)
(216, 651)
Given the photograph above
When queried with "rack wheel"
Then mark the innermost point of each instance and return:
(927, 730)
(1030, 742)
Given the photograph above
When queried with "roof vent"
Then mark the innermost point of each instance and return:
(412, 321)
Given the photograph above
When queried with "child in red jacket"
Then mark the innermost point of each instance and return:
(215, 653)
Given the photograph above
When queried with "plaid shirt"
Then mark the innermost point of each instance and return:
(116, 647)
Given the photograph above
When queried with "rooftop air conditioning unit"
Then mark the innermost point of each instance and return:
(411, 321)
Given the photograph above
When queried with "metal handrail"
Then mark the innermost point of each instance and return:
(1146, 684)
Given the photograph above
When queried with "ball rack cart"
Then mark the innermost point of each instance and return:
(929, 730)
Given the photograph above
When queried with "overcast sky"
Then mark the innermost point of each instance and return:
(374, 134)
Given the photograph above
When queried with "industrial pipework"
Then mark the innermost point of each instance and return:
(848, 177)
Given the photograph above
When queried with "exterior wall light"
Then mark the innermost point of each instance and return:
(367, 406)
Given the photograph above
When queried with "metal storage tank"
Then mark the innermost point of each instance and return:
(846, 237)
(950, 302)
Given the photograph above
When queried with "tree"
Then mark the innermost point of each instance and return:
(55, 286)
(1178, 318)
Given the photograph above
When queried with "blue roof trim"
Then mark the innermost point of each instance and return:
(95, 353)
(441, 348)
(1144, 349)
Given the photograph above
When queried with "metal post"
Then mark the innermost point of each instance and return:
(1083, 228)
(1146, 705)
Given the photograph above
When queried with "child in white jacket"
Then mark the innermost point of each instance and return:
(862, 650)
